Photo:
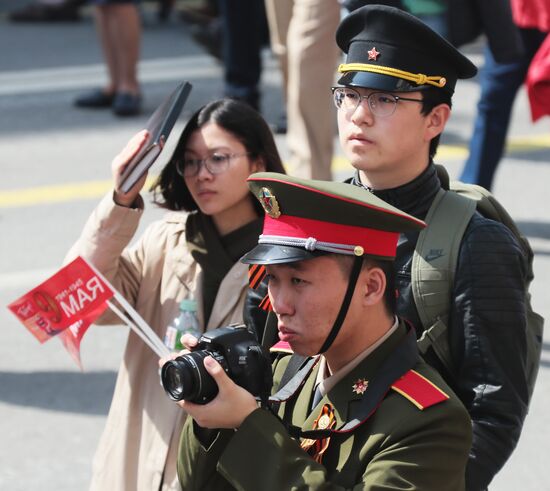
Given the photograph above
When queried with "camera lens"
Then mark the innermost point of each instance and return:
(185, 378)
(172, 380)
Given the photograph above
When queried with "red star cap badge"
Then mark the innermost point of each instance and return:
(373, 54)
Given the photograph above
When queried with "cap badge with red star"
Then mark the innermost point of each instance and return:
(269, 202)
(373, 54)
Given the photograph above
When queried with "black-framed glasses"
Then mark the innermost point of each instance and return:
(380, 103)
(215, 164)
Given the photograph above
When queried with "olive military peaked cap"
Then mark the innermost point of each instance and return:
(389, 49)
(307, 218)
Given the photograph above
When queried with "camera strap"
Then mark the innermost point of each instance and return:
(295, 379)
(352, 282)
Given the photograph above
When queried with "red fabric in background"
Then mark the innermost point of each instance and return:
(538, 81)
(532, 14)
(535, 14)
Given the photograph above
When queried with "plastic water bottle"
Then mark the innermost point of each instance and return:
(185, 322)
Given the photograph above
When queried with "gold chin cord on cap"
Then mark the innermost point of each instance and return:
(417, 78)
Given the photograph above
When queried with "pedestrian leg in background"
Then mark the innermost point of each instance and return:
(312, 57)
(499, 83)
(244, 33)
(279, 13)
(119, 30)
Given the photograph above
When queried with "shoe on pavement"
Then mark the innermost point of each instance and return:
(37, 12)
(126, 104)
(95, 99)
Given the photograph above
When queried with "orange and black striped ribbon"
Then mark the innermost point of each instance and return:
(316, 448)
(256, 273)
(265, 304)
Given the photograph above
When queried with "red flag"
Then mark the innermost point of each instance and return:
(72, 298)
(71, 338)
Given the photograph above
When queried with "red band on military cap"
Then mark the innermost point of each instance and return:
(374, 242)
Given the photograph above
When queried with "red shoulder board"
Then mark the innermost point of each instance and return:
(419, 390)
(281, 347)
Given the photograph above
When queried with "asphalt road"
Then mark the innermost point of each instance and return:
(54, 162)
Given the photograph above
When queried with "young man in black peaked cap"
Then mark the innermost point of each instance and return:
(393, 100)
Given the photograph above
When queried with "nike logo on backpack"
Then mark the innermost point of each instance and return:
(434, 254)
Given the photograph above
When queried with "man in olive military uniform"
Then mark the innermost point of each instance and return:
(364, 409)
(394, 100)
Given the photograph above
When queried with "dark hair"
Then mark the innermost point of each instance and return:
(432, 97)
(235, 117)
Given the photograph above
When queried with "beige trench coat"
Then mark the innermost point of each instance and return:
(139, 443)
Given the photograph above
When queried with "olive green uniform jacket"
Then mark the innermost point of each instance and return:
(398, 447)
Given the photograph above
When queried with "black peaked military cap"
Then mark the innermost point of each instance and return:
(389, 49)
(306, 218)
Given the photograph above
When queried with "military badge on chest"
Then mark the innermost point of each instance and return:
(360, 386)
(325, 421)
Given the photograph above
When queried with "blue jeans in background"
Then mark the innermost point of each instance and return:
(244, 33)
(499, 83)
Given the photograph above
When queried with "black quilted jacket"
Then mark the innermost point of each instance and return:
(487, 326)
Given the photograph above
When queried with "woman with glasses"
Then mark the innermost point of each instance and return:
(193, 252)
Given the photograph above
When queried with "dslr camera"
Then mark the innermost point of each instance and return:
(236, 349)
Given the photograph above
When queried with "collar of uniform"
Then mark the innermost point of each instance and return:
(342, 396)
(327, 382)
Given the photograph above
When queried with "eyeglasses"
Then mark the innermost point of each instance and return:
(215, 164)
(380, 103)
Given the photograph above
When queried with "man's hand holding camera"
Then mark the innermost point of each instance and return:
(229, 408)
(202, 380)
